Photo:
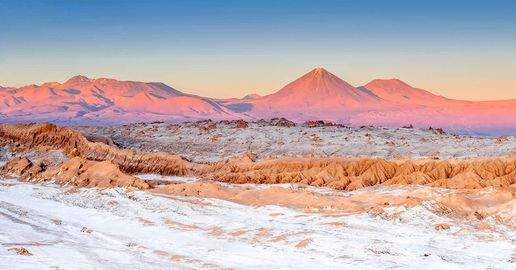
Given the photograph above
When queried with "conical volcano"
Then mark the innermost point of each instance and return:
(317, 94)
(320, 89)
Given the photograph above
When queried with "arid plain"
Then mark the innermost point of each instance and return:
(238, 194)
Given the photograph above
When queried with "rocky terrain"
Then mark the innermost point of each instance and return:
(321, 194)
(209, 141)
(338, 172)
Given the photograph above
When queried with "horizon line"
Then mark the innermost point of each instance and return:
(186, 91)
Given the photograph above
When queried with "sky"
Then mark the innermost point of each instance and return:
(460, 49)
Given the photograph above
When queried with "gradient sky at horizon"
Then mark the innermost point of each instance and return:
(460, 49)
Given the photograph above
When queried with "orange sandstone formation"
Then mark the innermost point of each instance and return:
(49, 136)
(76, 171)
(21, 251)
(442, 226)
(338, 173)
(294, 198)
(354, 173)
(480, 204)
(461, 204)
(95, 164)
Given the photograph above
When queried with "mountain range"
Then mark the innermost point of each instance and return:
(317, 95)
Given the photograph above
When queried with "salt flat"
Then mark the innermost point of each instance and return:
(118, 229)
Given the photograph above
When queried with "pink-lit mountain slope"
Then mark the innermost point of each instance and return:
(321, 95)
(81, 99)
(317, 95)
(422, 108)
(397, 91)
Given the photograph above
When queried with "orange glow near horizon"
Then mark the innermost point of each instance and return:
(225, 83)
(462, 50)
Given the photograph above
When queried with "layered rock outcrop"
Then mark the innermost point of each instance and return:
(338, 173)
(73, 143)
(354, 173)
(77, 172)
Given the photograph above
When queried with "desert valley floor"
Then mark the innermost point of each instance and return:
(255, 195)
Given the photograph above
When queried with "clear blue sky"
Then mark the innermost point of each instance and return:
(462, 49)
